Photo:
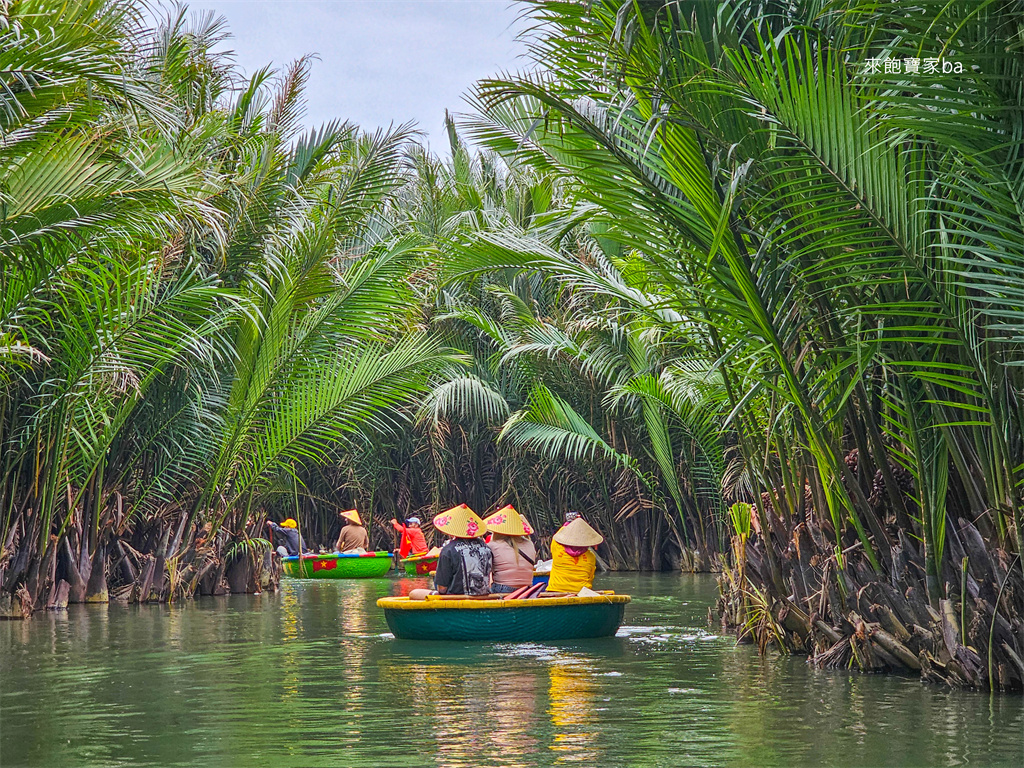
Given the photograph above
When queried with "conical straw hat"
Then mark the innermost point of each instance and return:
(352, 515)
(578, 533)
(460, 522)
(508, 522)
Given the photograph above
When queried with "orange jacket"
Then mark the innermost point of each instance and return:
(412, 539)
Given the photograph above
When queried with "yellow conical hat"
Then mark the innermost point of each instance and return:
(578, 533)
(460, 522)
(508, 522)
(351, 514)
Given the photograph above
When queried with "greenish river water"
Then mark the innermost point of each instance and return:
(310, 677)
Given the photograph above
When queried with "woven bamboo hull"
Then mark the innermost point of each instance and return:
(420, 565)
(352, 566)
(504, 620)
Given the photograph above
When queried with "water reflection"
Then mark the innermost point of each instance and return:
(355, 614)
(291, 606)
(354, 625)
(473, 712)
(406, 585)
(571, 695)
(513, 701)
(310, 676)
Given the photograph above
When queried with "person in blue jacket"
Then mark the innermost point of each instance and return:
(288, 531)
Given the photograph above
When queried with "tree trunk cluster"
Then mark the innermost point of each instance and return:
(141, 566)
(841, 613)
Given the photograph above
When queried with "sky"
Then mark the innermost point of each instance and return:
(380, 61)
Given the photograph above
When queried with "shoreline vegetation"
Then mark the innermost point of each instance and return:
(749, 301)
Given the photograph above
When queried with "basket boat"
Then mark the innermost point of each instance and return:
(420, 565)
(535, 619)
(348, 566)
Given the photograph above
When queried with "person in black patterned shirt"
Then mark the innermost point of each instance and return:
(464, 565)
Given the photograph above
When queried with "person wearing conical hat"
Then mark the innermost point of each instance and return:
(353, 536)
(464, 565)
(573, 562)
(513, 551)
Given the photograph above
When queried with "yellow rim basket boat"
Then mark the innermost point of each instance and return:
(534, 619)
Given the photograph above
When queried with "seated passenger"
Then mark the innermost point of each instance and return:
(412, 542)
(513, 552)
(353, 536)
(464, 565)
(573, 561)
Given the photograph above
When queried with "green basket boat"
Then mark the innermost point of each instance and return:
(536, 619)
(420, 565)
(351, 566)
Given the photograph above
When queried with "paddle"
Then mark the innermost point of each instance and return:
(525, 593)
(533, 591)
(515, 595)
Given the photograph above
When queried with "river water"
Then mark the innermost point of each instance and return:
(310, 677)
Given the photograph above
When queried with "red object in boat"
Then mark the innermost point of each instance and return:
(515, 595)
(524, 593)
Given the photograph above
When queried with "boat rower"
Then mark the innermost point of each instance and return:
(287, 531)
(413, 541)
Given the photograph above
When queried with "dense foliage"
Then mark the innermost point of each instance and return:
(823, 252)
(720, 277)
(197, 300)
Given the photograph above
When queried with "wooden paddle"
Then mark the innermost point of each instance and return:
(462, 597)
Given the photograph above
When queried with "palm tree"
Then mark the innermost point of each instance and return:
(197, 301)
(843, 247)
(95, 308)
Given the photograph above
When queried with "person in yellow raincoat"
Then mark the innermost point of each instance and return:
(573, 562)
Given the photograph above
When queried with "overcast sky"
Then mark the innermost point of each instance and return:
(380, 61)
